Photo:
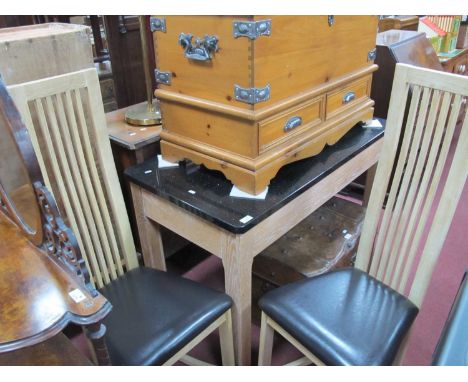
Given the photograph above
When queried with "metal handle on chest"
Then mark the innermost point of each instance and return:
(202, 49)
(348, 97)
(292, 123)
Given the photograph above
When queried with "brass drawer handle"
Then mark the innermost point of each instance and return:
(348, 97)
(201, 50)
(292, 123)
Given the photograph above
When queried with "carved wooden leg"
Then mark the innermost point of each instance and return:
(95, 333)
(266, 342)
(150, 234)
(237, 261)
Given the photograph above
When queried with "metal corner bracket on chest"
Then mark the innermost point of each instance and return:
(249, 29)
(203, 49)
(252, 95)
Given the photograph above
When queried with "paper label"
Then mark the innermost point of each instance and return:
(77, 295)
(246, 219)
(236, 193)
(164, 163)
(373, 123)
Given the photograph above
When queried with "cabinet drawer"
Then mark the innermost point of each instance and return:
(347, 96)
(276, 129)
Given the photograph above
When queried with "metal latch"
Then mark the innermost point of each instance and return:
(252, 29)
(162, 77)
(331, 20)
(158, 24)
(372, 55)
(201, 50)
(252, 95)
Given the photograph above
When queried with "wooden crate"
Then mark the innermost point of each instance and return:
(255, 103)
(33, 52)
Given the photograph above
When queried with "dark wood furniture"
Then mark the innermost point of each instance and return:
(133, 145)
(138, 142)
(195, 203)
(457, 64)
(56, 351)
(327, 239)
(44, 283)
(398, 46)
(409, 23)
(324, 240)
(462, 41)
(130, 145)
(124, 45)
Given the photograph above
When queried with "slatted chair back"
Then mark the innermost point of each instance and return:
(394, 240)
(65, 118)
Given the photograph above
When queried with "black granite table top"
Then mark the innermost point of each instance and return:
(206, 192)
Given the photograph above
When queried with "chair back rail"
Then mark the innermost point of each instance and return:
(65, 118)
(393, 238)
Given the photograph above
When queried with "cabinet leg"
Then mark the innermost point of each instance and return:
(95, 333)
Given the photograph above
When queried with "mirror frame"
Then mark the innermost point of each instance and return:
(10, 116)
(52, 234)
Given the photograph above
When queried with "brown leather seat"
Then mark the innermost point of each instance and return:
(344, 317)
(155, 314)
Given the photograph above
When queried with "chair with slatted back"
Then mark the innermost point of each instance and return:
(157, 317)
(363, 315)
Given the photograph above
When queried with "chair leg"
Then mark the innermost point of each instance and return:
(398, 361)
(266, 342)
(226, 340)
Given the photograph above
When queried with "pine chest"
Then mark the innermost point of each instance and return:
(247, 95)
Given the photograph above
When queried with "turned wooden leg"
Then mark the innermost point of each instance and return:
(226, 340)
(150, 234)
(95, 333)
(266, 342)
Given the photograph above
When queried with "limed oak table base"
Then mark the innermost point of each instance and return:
(157, 203)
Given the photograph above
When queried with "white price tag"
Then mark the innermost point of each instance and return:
(236, 193)
(246, 219)
(164, 163)
(77, 295)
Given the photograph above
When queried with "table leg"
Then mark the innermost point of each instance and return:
(150, 234)
(368, 186)
(96, 334)
(237, 262)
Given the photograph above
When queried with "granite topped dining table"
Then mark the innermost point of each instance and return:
(195, 203)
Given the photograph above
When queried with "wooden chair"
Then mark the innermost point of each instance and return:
(156, 317)
(363, 315)
(44, 283)
(66, 121)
